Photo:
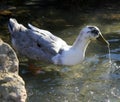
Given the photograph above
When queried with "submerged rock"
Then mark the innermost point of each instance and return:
(12, 86)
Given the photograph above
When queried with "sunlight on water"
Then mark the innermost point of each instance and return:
(115, 71)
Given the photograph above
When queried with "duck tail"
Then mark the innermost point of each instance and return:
(14, 26)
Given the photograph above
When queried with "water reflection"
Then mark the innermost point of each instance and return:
(91, 81)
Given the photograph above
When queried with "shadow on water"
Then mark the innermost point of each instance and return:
(91, 81)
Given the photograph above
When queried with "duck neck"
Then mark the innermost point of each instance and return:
(81, 44)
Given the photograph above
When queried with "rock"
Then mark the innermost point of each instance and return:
(8, 58)
(12, 86)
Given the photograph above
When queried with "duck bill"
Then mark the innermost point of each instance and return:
(102, 40)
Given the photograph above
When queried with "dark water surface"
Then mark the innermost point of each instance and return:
(94, 80)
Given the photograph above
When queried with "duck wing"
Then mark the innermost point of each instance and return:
(46, 40)
(33, 42)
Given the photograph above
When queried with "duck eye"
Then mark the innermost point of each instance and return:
(95, 31)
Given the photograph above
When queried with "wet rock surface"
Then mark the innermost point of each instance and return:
(12, 86)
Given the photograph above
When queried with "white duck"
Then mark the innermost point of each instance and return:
(42, 45)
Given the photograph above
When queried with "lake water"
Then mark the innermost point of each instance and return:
(94, 80)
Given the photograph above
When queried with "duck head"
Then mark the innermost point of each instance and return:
(93, 33)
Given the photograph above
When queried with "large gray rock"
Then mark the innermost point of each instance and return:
(12, 86)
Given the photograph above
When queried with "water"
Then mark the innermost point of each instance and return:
(109, 54)
(94, 80)
(110, 61)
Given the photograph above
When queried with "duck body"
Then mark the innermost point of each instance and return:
(42, 45)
